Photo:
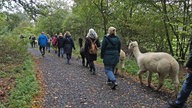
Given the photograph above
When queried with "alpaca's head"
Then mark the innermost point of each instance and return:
(132, 45)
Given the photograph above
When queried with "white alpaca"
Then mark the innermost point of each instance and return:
(122, 62)
(158, 62)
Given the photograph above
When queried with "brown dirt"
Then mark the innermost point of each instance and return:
(38, 99)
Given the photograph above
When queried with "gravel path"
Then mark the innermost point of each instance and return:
(72, 86)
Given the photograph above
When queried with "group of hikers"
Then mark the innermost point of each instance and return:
(110, 53)
(61, 44)
(110, 50)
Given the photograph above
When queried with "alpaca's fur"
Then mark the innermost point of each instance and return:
(82, 53)
(156, 62)
(121, 62)
(36, 43)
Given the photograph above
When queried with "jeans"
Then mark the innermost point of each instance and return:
(186, 90)
(60, 50)
(48, 47)
(109, 71)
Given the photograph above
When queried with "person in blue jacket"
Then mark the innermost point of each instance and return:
(110, 53)
(187, 84)
(42, 42)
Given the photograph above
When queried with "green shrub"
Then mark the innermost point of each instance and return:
(131, 66)
(12, 50)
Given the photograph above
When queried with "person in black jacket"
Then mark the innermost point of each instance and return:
(33, 38)
(187, 85)
(68, 45)
(60, 45)
(110, 53)
(91, 36)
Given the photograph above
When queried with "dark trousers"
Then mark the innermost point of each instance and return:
(33, 44)
(92, 65)
(60, 51)
(42, 49)
(68, 57)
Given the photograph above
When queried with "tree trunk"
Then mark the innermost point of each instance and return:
(163, 2)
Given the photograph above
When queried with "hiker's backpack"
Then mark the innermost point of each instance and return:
(93, 48)
(54, 41)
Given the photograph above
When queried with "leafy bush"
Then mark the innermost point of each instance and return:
(12, 50)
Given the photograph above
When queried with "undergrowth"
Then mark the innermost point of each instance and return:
(16, 66)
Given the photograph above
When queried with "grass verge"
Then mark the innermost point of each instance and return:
(25, 86)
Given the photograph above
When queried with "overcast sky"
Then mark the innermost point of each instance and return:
(16, 7)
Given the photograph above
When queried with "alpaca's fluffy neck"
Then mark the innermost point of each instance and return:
(136, 52)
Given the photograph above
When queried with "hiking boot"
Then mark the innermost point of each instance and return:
(90, 69)
(94, 73)
(43, 54)
(109, 82)
(173, 104)
(68, 62)
(114, 85)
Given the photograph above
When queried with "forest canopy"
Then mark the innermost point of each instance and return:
(158, 25)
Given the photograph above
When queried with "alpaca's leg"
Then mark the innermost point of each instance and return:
(87, 62)
(116, 70)
(123, 64)
(161, 81)
(140, 72)
(175, 81)
(122, 67)
(149, 77)
(83, 61)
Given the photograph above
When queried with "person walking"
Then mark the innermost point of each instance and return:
(48, 46)
(54, 43)
(187, 84)
(68, 45)
(110, 53)
(31, 41)
(42, 42)
(33, 38)
(91, 38)
(60, 42)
